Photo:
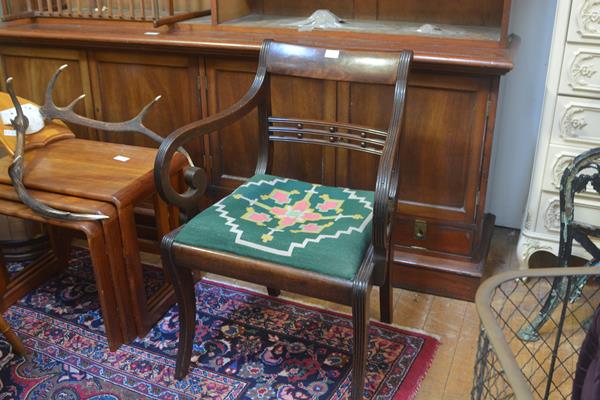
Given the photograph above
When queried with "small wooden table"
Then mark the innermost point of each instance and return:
(106, 256)
(89, 170)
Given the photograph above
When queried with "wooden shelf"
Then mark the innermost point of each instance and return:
(464, 19)
(201, 37)
(439, 31)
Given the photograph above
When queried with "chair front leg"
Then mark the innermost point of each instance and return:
(183, 284)
(360, 325)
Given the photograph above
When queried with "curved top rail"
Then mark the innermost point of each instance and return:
(333, 64)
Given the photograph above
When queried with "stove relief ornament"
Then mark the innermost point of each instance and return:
(560, 164)
(572, 122)
(584, 68)
(552, 216)
(588, 19)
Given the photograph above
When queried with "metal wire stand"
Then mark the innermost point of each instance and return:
(511, 367)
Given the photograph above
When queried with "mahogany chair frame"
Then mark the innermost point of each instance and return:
(308, 62)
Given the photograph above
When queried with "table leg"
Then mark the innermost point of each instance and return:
(163, 218)
(12, 338)
(131, 250)
(4, 277)
(104, 283)
(60, 240)
(179, 185)
(114, 248)
(163, 223)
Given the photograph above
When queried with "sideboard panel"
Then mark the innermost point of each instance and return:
(307, 99)
(441, 145)
(32, 68)
(123, 83)
(233, 150)
(369, 105)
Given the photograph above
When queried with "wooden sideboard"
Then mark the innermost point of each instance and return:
(441, 234)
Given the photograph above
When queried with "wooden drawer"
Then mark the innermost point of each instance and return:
(576, 122)
(584, 23)
(580, 71)
(432, 236)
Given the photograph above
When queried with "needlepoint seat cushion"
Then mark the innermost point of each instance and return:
(308, 226)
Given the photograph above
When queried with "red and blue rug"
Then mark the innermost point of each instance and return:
(248, 346)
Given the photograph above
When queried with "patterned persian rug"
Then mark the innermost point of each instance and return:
(248, 346)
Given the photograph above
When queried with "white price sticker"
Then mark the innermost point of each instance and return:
(332, 53)
(10, 132)
(121, 158)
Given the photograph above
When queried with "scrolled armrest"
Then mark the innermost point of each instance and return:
(195, 177)
(386, 187)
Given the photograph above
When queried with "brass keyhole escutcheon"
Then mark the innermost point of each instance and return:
(420, 232)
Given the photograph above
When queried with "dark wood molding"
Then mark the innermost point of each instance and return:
(480, 57)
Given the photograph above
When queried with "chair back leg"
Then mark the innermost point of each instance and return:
(386, 301)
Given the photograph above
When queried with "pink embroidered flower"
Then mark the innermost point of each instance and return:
(287, 221)
(311, 228)
(278, 210)
(328, 205)
(311, 216)
(280, 197)
(302, 205)
(260, 217)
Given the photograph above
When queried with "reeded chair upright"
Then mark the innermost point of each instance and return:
(321, 241)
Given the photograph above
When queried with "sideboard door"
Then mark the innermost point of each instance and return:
(442, 149)
(124, 82)
(233, 151)
(32, 68)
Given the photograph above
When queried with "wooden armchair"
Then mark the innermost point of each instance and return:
(326, 242)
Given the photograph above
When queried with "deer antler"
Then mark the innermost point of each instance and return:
(51, 111)
(15, 170)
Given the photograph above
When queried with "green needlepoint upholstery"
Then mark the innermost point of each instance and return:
(303, 225)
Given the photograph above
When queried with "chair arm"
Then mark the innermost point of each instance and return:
(195, 177)
(389, 167)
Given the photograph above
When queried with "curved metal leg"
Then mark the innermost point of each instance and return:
(183, 283)
(529, 333)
